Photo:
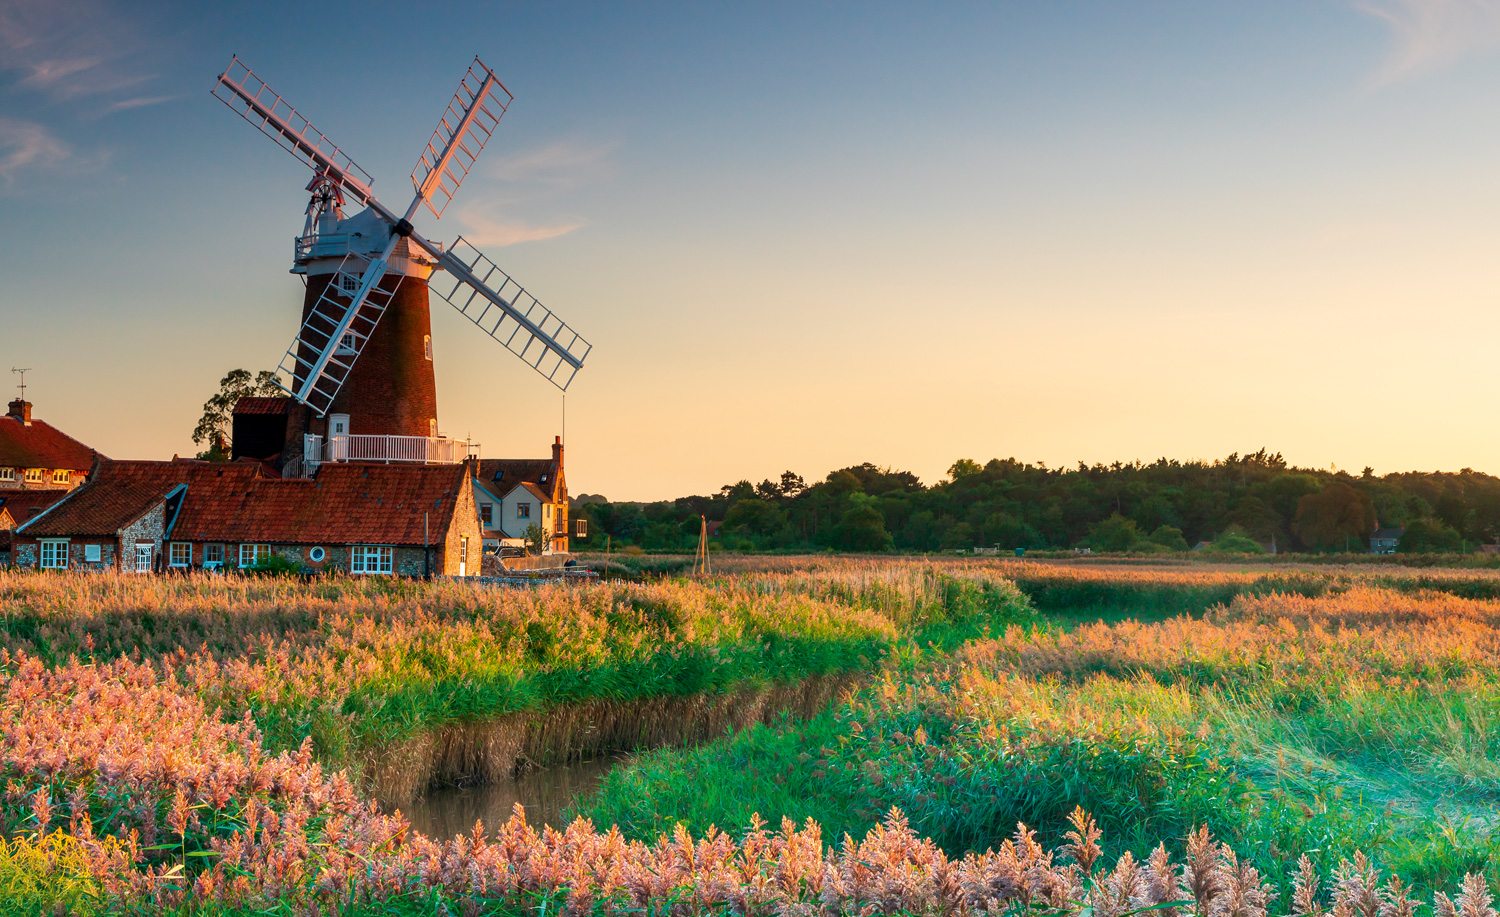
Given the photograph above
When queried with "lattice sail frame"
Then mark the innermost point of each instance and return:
(462, 132)
(335, 332)
(488, 297)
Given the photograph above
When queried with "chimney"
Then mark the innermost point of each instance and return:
(20, 410)
(557, 451)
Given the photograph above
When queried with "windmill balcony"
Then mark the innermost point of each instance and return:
(422, 450)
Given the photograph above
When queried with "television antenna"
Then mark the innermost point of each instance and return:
(336, 329)
(22, 372)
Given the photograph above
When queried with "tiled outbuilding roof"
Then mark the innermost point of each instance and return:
(344, 504)
(260, 405)
(40, 445)
(23, 505)
(236, 502)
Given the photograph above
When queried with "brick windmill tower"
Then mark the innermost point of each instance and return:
(362, 360)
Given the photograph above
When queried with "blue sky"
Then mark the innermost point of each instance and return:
(802, 236)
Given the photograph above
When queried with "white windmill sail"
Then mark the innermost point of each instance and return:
(461, 134)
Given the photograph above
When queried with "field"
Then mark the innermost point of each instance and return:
(868, 732)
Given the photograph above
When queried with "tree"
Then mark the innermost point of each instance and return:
(1335, 516)
(1169, 537)
(1234, 541)
(1429, 536)
(216, 424)
(963, 468)
(862, 529)
(1114, 534)
(754, 517)
(792, 484)
(536, 539)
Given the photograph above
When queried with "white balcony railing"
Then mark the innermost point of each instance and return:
(426, 450)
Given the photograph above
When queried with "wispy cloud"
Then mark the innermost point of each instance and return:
(534, 179)
(486, 232)
(1428, 34)
(127, 104)
(25, 144)
(557, 166)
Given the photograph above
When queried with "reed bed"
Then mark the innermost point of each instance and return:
(151, 804)
(1362, 717)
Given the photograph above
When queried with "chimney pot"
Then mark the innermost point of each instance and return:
(20, 410)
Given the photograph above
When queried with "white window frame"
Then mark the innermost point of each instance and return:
(149, 547)
(372, 559)
(252, 554)
(580, 528)
(54, 559)
(346, 344)
(35, 475)
(180, 547)
(209, 552)
(7, 475)
(427, 345)
(61, 476)
(348, 283)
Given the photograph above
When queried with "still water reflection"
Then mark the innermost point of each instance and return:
(544, 791)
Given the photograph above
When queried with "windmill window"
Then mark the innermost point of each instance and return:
(346, 343)
(427, 345)
(349, 283)
(523, 510)
(432, 427)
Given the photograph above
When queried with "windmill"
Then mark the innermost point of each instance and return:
(363, 353)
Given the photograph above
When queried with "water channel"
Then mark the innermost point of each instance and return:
(544, 791)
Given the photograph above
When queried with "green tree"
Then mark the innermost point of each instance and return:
(1169, 537)
(1234, 541)
(862, 529)
(216, 425)
(754, 518)
(1114, 534)
(536, 539)
(1429, 536)
(1335, 517)
(960, 536)
(963, 468)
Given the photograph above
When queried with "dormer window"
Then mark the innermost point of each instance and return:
(7, 474)
(61, 476)
(33, 476)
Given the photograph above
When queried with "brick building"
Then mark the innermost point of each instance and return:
(34, 455)
(21, 506)
(512, 495)
(352, 517)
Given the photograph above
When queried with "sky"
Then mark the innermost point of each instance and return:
(804, 235)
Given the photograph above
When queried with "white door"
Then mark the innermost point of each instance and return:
(143, 554)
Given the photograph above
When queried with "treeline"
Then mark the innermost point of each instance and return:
(1240, 503)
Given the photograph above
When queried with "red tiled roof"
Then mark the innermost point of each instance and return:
(236, 502)
(344, 504)
(120, 492)
(23, 505)
(504, 474)
(259, 405)
(40, 445)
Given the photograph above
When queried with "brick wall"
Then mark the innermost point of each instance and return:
(465, 524)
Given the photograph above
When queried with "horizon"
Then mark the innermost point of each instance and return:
(802, 238)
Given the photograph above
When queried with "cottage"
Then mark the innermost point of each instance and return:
(35, 455)
(353, 517)
(1384, 541)
(19, 506)
(512, 495)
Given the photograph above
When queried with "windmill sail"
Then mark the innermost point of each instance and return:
(489, 298)
(335, 332)
(244, 92)
(461, 134)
